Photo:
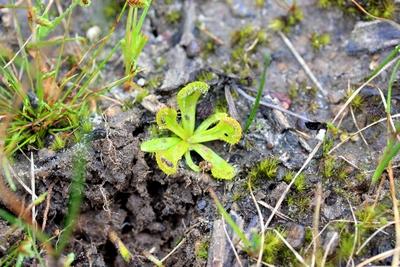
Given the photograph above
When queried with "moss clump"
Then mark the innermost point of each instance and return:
(245, 43)
(329, 166)
(357, 102)
(272, 246)
(319, 40)
(265, 169)
(378, 8)
(284, 23)
(201, 250)
(173, 17)
(300, 182)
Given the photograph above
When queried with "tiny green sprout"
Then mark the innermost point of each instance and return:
(320, 40)
(299, 183)
(219, 126)
(201, 250)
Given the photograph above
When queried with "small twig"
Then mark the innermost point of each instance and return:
(296, 254)
(231, 104)
(396, 255)
(231, 244)
(33, 189)
(328, 248)
(361, 130)
(379, 257)
(358, 127)
(353, 95)
(355, 236)
(174, 250)
(260, 254)
(316, 217)
(278, 213)
(302, 63)
(47, 209)
(372, 236)
(269, 105)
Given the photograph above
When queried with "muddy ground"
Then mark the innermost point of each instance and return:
(126, 192)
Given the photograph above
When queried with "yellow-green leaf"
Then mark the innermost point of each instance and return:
(227, 129)
(187, 100)
(219, 167)
(166, 119)
(159, 144)
(168, 159)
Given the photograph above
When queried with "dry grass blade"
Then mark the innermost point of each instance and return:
(260, 254)
(302, 63)
(316, 218)
(353, 248)
(231, 244)
(328, 248)
(279, 203)
(355, 93)
(372, 236)
(296, 254)
(361, 130)
(379, 257)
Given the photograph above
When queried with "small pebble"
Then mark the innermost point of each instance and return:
(93, 33)
(193, 49)
(201, 204)
(141, 82)
(295, 235)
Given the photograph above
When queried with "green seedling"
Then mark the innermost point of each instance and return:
(320, 40)
(219, 126)
(135, 40)
(201, 250)
(300, 183)
(284, 23)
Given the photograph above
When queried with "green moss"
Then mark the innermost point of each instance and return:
(320, 40)
(173, 17)
(245, 43)
(299, 184)
(284, 23)
(58, 143)
(357, 102)
(206, 76)
(265, 169)
(293, 91)
(327, 145)
(201, 250)
(329, 166)
(378, 8)
(272, 246)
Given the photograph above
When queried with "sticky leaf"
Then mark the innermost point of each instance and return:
(187, 100)
(159, 144)
(227, 129)
(219, 167)
(166, 119)
(168, 159)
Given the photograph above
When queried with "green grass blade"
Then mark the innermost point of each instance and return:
(75, 198)
(250, 119)
(393, 77)
(236, 229)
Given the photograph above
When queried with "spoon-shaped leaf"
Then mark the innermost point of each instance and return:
(159, 144)
(187, 100)
(168, 159)
(227, 129)
(220, 168)
(213, 119)
(166, 119)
